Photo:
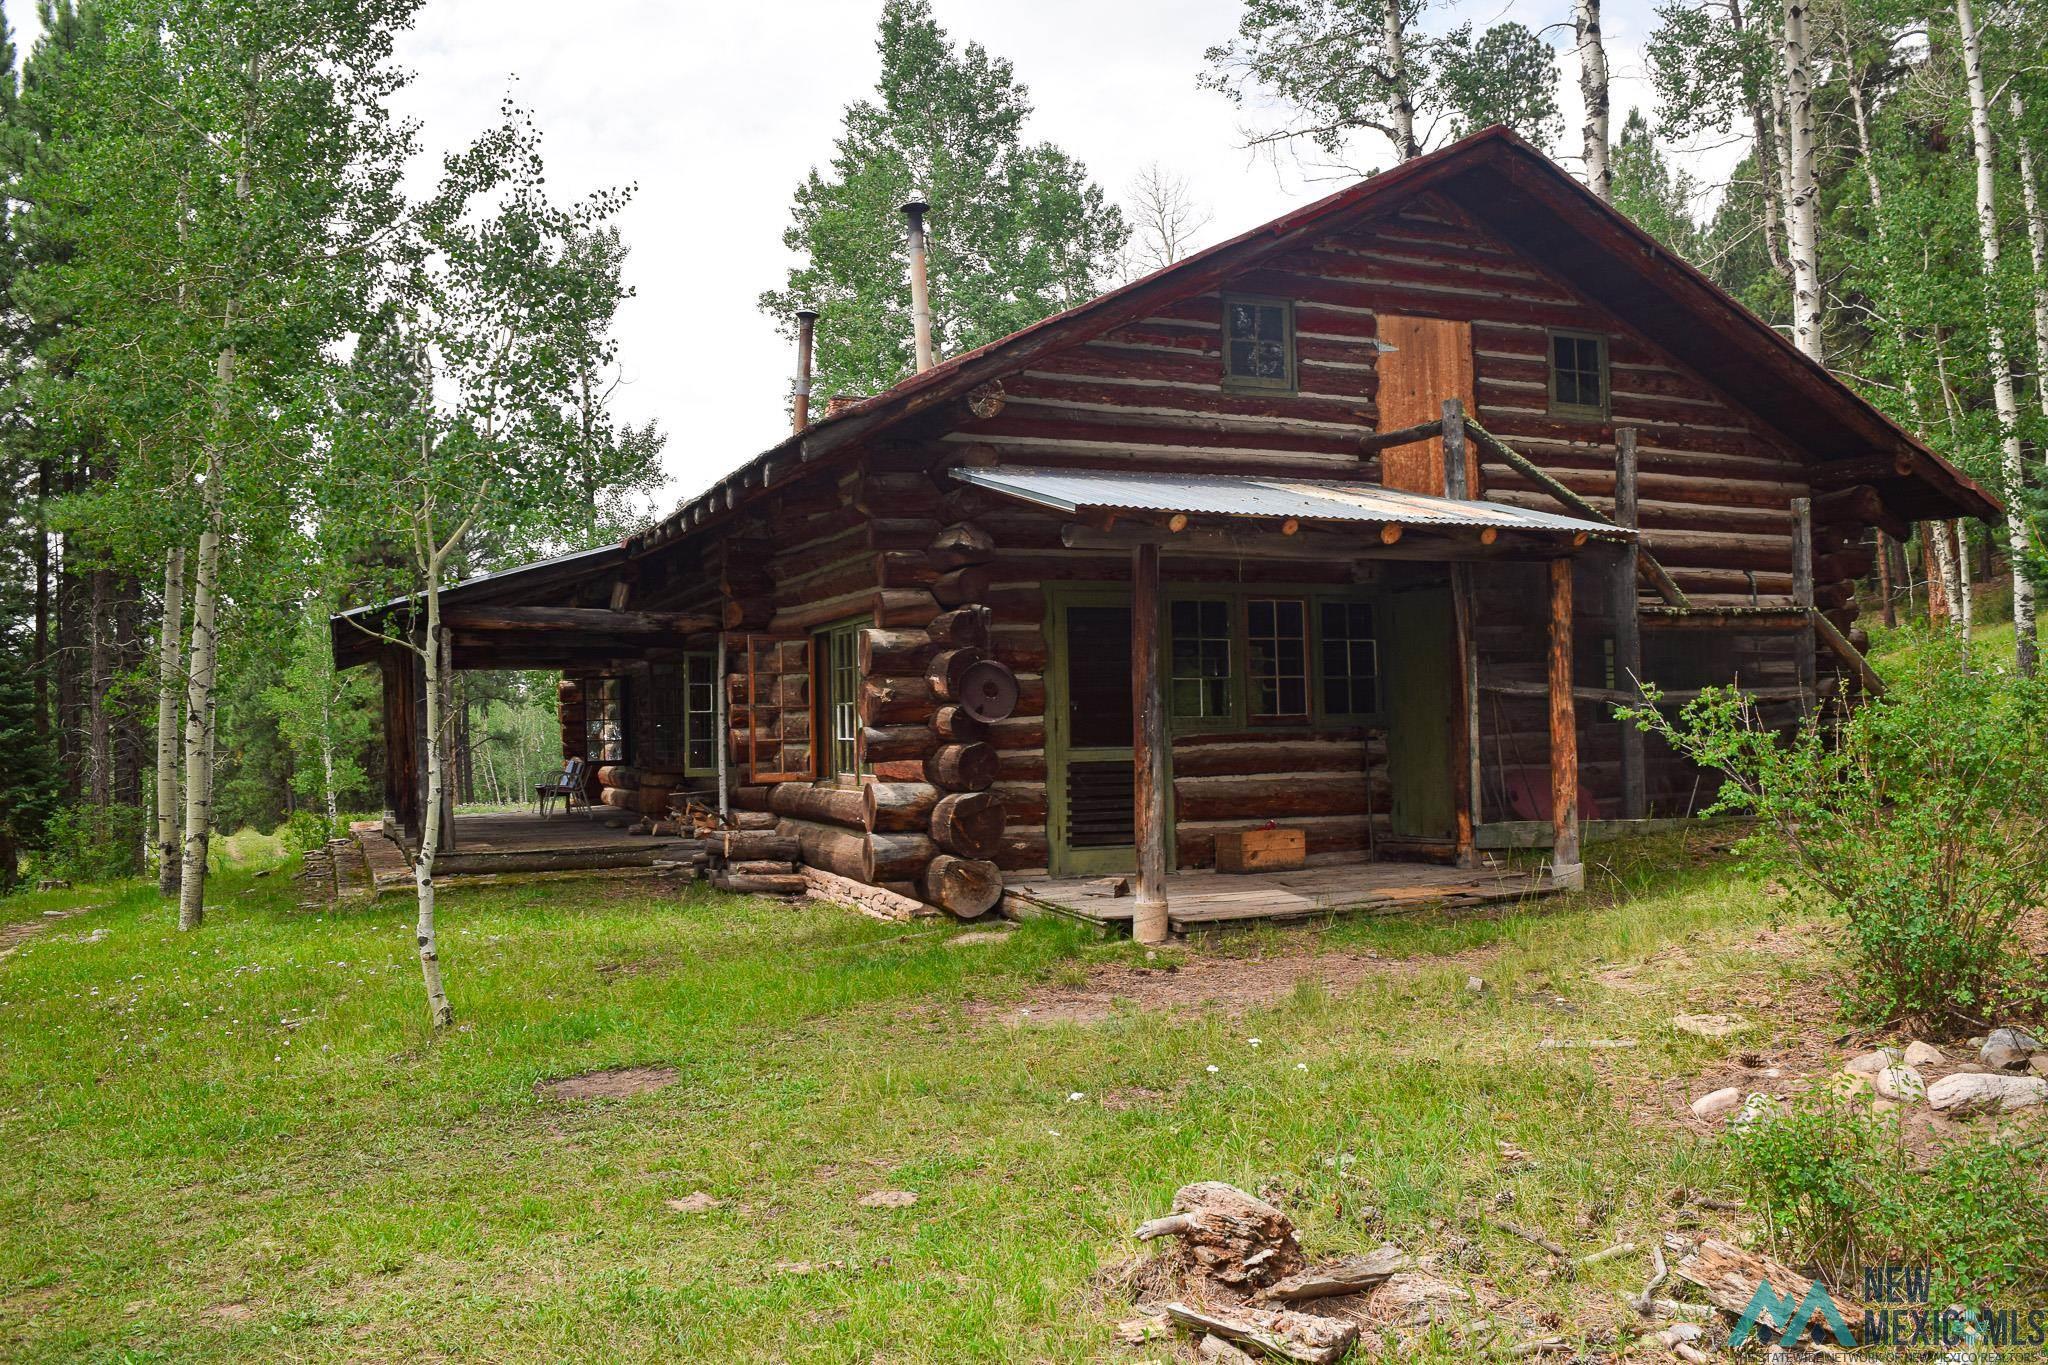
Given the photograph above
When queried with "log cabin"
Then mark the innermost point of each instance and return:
(1347, 533)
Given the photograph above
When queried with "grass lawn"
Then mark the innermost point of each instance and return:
(244, 1142)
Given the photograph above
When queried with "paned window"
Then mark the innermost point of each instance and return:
(1258, 343)
(700, 714)
(1276, 656)
(1350, 663)
(604, 720)
(1578, 373)
(1200, 685)
(841, 655)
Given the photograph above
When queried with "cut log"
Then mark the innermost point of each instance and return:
(893, 651)
(893, 807)
(910, 607)
(1346, 1275)
(1279, 1333)
(961, 544)
(896, 857)
(747, 613)
(885, 744)
(1730, 1276)
(753, 819)
(948, 670)
(762, 867)
(751, 798)
(990, 692)
(789, 885)
(895, 701)
(869, 900)
(963, 767)
(842, 851)
(953, 724)
(969, 824)
(966, 887)
(961, 627)
(753, 845)
(905, 569)
(959, 587)
(840, 806)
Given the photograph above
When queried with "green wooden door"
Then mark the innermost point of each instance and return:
(1419, 704)
(1088, 773)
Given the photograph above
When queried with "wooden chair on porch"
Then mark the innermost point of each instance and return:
(568, 787)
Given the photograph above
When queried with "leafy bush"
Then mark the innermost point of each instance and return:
(1839, 1190)
(1920, 820)
(307, 830)
(90, 844)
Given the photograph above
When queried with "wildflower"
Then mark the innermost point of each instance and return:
(1253, 1041)
(1213, 1069)
(1301, 1066)
(1075, 1097)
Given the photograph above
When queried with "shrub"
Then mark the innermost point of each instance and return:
(1839, 1190)
(307, 830)
(1920, 820)
(90, 844)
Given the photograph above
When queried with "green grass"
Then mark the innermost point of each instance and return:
(244, 1142)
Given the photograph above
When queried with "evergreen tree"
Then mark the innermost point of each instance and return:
(1650, 192)
(28, 779)
(1017, 230)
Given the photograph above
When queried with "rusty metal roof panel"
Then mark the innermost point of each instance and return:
(1251, 495)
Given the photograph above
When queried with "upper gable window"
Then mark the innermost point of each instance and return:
(1578, 374)
(1258, 343)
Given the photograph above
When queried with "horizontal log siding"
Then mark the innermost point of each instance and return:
(1715, 484)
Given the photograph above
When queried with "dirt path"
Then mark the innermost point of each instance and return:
(12, 936)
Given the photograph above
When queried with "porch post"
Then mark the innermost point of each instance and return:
(447, 647)
(1628, 626)
(390, 668)
(1802, 597)
(1465, 659)
(1565, 867)
(1148, 750)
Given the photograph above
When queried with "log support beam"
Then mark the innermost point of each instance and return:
(1465, 786)
(1148, 749)
(1565, 867)
(1628, 626)
(1802, 598)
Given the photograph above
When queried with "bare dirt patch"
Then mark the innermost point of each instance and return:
(617, 1083)
(1229, 984)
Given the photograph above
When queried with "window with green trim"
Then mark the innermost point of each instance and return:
(1349, 669)
(1200, 683)
(1276, 657)
(1578, 373)
(1258, 343)
(839, 649)
(700, 714)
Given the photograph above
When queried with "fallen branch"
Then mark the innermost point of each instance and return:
(1349, 1275)
(1658, 1274)
(1276, 1331)
(1531, 1236)
(1618, 1249)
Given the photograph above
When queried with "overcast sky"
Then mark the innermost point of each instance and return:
(716, 110)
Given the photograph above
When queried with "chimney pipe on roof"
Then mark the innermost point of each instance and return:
(806, 325)
(920, 295)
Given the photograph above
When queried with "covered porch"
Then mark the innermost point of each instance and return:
(1203, 900)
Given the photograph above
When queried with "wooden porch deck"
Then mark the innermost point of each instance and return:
(520, 841)
(1203, 899)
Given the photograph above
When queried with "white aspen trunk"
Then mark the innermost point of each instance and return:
(199, 690)
(1404, 86)
(1802, 197)
(327, 765)
(438, 1008)
(1592, 53)
(170, 681)
(1996, 356)
(1961, 561)
(2037, 248)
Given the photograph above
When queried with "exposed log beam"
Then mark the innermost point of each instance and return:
(601, 621)
(1148, 749)
(1565, 866)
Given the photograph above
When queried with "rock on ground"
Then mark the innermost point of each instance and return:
(2008, 1048)
(1901, 1083)
(1715, 1103)
(889, 1199)
(1924, 1054)
(1969, 1092)
(1709, 1025)
(1870, 1063)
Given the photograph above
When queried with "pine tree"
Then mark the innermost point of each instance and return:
(1017, 230)
(1646, 188)
(28, 779)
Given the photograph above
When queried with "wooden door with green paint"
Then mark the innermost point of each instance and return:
(1418, 666)
(1088, 734)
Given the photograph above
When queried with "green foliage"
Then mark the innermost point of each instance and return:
(308, 830)
(1657, 198)
(1920, 821)
(1017, 230)
(85, 843)
(28, 779)
(1506, 75)
(1327, 63)
(1840, 1190)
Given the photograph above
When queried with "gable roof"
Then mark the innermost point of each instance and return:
(1512, 189)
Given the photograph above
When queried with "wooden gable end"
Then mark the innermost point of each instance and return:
(1716, 483)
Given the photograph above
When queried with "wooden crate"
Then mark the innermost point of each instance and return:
(1261, 850)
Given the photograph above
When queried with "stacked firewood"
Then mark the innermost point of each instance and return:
(755, 862)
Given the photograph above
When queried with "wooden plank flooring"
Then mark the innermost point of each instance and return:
(519, 841)
(1200, 899)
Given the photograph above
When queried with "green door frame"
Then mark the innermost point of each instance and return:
(1062, 860)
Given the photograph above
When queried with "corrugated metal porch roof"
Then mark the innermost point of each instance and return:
(1250, 495)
